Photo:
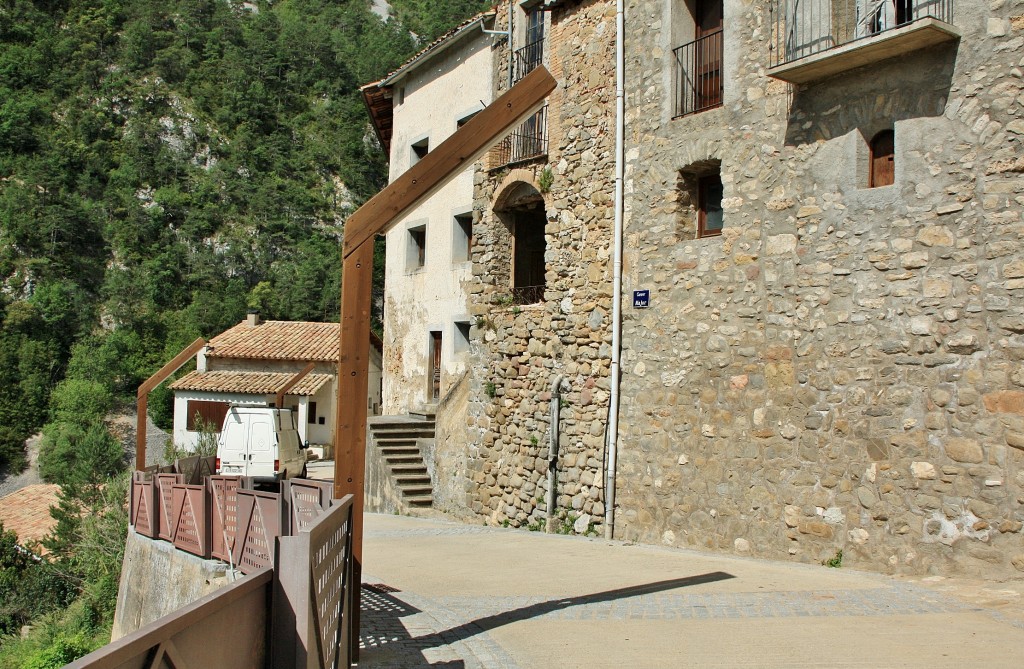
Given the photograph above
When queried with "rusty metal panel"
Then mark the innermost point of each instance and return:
(259, 524)
(191, 519)
(144, 510)
(224, 514)
(226, 630)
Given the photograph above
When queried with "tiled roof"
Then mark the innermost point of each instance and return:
(444, 40)
(250, 383)
(278, 340)
(26, 512)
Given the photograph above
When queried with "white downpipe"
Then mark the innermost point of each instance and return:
(613, 402)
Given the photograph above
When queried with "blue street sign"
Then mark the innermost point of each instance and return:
(641, 299)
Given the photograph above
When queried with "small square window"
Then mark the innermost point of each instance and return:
(462, 336)
(465, 119)
(462, 237)
(416, 250)
(420, 150)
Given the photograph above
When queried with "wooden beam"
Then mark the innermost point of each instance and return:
(444, 162)
(428, 175)
(152, 382)
(279, 398)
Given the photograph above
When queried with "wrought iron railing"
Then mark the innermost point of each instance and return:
(527, 142)
(802, 28)
(527, 294)
(699, 74)
(527, 59)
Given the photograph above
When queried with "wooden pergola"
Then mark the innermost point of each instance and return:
(436, 169)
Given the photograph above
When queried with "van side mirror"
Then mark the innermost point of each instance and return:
(305, 444)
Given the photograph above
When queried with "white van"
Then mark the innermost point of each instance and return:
(261, 442)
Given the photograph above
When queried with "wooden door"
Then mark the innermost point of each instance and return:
(883, 159)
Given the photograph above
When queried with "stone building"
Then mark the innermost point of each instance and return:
(826, 206)
(541, 287)
(428, 262)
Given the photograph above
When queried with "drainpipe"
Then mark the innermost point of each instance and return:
(556, 405)
(613, 402)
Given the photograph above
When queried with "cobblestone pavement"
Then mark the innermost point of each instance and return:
(447, 595)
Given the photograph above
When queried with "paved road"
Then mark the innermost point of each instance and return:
(458, 596)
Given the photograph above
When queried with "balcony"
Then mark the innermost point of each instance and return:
(527, 142)
(698, 75)
(814, 39)
(527, 59)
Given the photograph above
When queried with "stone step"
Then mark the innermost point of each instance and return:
(404, 434)
(421, 501)
(412, 479)
(384, 426)
(413, 490)
(403, 460)
(418, 468)
(397, 441)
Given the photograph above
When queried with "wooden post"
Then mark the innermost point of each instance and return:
(422, 180)
(290, 383)
(143, 397)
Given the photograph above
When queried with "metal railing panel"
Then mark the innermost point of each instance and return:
(313, 618)
(191, 525)
(165, 498)
(527, 142)
(304, 501)
(699, 74)
(195, 469)
(527, 59)
(226, 629)
(144, 511)
(802, 28)
(259, 523)
(223, 515)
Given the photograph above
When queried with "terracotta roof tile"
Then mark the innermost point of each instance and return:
(26, 512)
(252, 383)
(278, 340)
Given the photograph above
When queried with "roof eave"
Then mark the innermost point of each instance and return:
(436, 49)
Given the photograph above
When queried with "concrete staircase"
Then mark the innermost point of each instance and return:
(396, 441)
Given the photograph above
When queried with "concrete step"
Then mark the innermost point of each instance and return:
(413, 490)
(413, 480)
(384, 426)
(421, 501)
(409, 469)
(396, 441)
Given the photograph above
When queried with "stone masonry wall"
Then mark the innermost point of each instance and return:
(519, 350)
(842, 368)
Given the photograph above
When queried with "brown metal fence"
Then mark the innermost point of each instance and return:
(259, 523)
(165, 498)
(190, 520)
(315, 595)
(224, 517)
(143, 511)
(227, 629)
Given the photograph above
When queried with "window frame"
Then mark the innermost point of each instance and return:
(704, 181)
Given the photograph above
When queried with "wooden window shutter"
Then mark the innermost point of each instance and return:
(210, 413)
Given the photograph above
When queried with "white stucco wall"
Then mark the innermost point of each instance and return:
(429, 102)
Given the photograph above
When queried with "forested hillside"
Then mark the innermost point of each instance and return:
(165, 165)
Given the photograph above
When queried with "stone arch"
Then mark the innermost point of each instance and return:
(521, 208)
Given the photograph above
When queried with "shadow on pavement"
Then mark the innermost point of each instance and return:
(385, 609)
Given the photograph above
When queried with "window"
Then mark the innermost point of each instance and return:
(465, 119)
(462, 237)
(462, 336)
(698, 63)
(311, 414)
(434, 375)
(205, 412)
(709, 205)
(882, 166)
(420, 149)
(698, 200)
(416, 250)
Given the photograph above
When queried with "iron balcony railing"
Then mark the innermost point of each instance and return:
(699, 74)
(527, 142)
(527, 59)
(802, 28)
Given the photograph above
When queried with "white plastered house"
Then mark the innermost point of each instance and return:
(429, 251)
(249, 363)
